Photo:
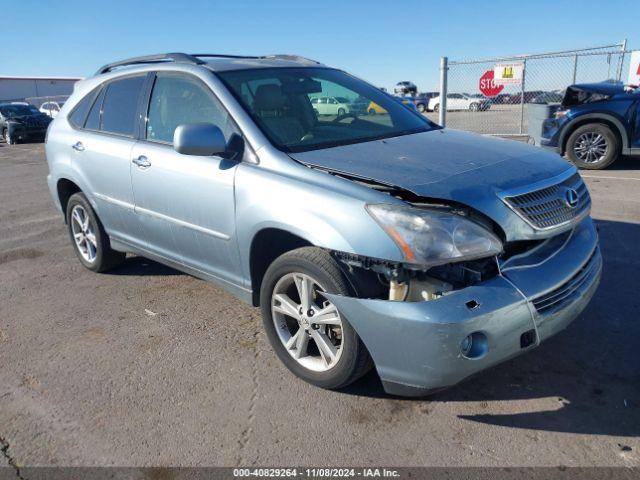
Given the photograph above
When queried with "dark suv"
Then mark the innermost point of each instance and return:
(22, 121)
(595, 124)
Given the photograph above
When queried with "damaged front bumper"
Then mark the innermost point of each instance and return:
(417, 346)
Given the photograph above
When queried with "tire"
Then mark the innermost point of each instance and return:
(310, 264)
(474, 107)
(315, 110)
(8, 139)
(104, 257)
(341, 111)
(593, 146)
(421, 107)
(436, 107)
(372, 111)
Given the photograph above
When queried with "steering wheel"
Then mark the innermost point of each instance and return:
(339, 118)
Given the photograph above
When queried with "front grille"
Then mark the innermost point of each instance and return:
(568, 291)
(33, 123)
(550, 207)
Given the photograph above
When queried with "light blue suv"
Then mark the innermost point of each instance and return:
(367, 240)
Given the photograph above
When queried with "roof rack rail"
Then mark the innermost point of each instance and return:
(291, 57)
(278, 56)
(222, 55)
(159, 58)
(192, 58)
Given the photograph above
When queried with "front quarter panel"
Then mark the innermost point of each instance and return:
(326, 211)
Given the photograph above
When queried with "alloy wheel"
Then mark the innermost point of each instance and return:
(307, 323)
(84, 233)
(591, 147)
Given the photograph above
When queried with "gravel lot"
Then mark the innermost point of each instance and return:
(149, 366)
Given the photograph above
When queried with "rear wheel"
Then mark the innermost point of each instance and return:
(474, 107)
(305, 329)
(372, 111)
(593, 146)
(436, 107)
(90, 241)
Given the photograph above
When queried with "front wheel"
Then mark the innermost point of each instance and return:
(305, 329)
(593, 146)
(474, 107)
(8, 138)
(421, 108)
(341, 112)
(90, 241)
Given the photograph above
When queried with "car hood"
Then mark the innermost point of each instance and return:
(447, 164)
(26, 119)
(606, 88)
(591, 92)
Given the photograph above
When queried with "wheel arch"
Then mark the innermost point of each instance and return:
(616, 127)
(267, 245)
(65, 189)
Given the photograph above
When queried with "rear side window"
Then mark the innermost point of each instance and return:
(120, 106)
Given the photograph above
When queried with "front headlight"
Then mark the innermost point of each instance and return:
(432, 237)
(560, 113)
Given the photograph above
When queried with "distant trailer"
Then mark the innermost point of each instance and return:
(36, 90)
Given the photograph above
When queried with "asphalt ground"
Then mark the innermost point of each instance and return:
(146, 366)
(497, 120)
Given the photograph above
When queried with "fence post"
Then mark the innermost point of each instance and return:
(575, 69)
(624, 48)
(524, 74)
(444, 71)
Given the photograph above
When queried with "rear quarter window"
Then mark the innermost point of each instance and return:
(79, 113)
(93, 120)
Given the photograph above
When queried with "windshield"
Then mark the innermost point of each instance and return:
(301, 109)
(18, 110)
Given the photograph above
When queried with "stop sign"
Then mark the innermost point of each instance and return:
(488, 86)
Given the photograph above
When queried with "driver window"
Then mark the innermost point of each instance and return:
(177, 99)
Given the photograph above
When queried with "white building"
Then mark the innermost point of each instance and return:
(36, 90)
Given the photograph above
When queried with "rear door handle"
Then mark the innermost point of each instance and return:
(142, 162)
(78, 146)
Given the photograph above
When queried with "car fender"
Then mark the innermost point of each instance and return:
(594, 116)
(325, 211)
(61, 166)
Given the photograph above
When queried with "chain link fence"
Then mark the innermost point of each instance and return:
(544, 79)
(39, 101)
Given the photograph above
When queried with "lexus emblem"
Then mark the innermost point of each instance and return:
(571, 197)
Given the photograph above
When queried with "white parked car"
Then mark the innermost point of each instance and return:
(458, 101)
(331, 105)
(51, 108)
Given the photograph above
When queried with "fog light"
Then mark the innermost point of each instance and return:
(474, 345)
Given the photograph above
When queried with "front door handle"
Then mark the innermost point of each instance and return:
(142, 162)
(78, 147)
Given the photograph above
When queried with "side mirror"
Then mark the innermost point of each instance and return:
(203, 139)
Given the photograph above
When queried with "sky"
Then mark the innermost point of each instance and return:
(380, 41)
